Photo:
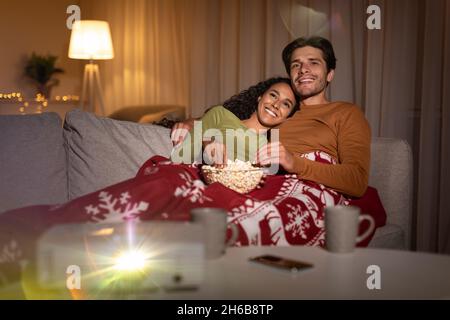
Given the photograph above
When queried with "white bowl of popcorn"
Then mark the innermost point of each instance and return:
(237, 175)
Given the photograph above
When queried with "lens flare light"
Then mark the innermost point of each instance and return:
(130, 261)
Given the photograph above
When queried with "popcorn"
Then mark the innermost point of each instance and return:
(237, 175)
(234, 165)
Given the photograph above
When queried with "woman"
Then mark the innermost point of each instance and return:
(239, 128)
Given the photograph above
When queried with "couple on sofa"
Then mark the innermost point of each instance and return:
(338, 129)
(287, 210)
(320, 134)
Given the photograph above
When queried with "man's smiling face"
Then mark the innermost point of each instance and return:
(309, 73)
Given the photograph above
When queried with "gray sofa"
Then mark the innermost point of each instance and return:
(43, 161)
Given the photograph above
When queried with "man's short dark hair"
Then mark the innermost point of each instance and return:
(316, 42)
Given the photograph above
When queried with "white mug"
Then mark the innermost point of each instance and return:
(341, 228)
(214, 221)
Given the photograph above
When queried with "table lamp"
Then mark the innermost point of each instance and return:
(91, 40)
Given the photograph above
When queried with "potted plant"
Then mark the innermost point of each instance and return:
(41, 70)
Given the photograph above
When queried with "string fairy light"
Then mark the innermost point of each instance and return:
(42, 101)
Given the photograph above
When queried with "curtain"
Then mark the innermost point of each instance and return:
(432, 142)
(197, 53)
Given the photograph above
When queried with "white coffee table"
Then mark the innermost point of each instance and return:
(404, 275)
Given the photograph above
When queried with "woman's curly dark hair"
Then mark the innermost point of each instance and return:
(243, 104)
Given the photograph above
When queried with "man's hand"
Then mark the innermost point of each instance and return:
(216, 153)
(180, 131)
(275, 152)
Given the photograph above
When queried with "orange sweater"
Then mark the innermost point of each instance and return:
(339, 129)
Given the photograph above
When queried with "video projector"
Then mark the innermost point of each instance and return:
(132, 255)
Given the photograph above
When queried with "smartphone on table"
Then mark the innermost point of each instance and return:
(281, 263)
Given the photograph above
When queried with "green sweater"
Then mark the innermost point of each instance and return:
(221, 125)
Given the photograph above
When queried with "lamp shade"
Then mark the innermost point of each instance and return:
(91, 39)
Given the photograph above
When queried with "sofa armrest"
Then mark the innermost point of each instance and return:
(391, 173)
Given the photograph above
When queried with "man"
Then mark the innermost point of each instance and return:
(339, 129)
(336, 128)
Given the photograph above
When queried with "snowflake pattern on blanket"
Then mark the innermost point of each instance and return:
(289, 212)
(110, 209)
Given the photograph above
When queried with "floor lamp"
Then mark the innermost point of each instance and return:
(91, 40)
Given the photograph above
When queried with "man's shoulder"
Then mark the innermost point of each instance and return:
(346, 108)
(345, 105)
(351, 115)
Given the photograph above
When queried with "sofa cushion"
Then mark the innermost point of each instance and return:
(103, 151)
(32, 160)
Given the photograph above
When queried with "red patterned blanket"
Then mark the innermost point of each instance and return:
(286, 210)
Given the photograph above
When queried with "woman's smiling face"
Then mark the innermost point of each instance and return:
(275, 104)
